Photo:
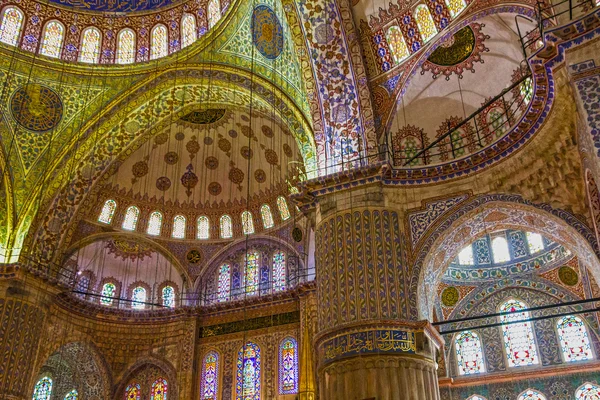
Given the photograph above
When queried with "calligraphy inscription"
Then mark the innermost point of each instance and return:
(376, 341)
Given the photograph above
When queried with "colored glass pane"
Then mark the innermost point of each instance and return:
(456, 7)
(588, 391)
(469, 354)
(279, 271)
(108, 211)
(43, 389)
(126, 47)
(283, 208)
(108, 293)
(133, 391)
(210, 377)
(573, 338)
(267, 217)
(138, 295)
(159, 389)
(288, 367)
(247, 223)
(224, 283)
(188, 30)
(178, 227)
(248, 373)
(535, 242)
(397, 44)
(131, 217)
(214, 12)
(251, 276)
(425, 23)
(526, 90)
(90, 46)
(476, 397)
(52, 39)
(203, 228)
(500, 249)
(519, 342)
(226, 228)
(168, 296)
(531, 394)
(154, 223)
(11, 25)
(158, 39)
(72, 395)
(465, 257)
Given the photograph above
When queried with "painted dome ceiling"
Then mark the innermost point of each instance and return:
(116, 5)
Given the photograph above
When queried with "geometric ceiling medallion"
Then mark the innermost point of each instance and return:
(568, 275)
(267, 33)
(450, 296)
(36, 107)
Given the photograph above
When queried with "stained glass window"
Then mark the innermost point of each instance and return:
(188, 30)
(203, 228)
(267, 217)
(226, 228)
(90, 46)
(108, 293)
(279, 271)
(397, 44)
(288, 366)
(159, 389)
(465, 257)
(251, 276)
(178, 227)
(43, 389)
(133, 391)
(214, 13)
(72, 395)
(138, 295)
(108, 211)
(247, 223)
(210, 377)
(500, 249)
(158, 38)
(527, 90)
(588, 391)
(224, 283)
(425, 23)
(168, 296)
(531, 394)
(283, 208)
(126, 47)
(52, 39)
(11, 25)
(519, 342)
(154, 223)
(573, 338)
(456, 7)
(248, 373)
(476, 397)
(469, 354)
(131, 217)
(535, 242)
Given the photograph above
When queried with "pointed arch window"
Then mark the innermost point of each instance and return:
(72, 395)
(214, 13)
(588, 391)
(251, 275)
(531, 394)
(248, 373)
(11, 25)
(158, 39)
(500, 249)
(476, 397)
(397, 44)
(43, 389)
(465, 257)
(469, 354)
(178, 227)
(138, 295)
(90, 45)
(188, 30)
(52, 39)
(210, 376)
(456, 7)
(168, 296)
(288, 366)
(108, 211)
(224, 283)
(109, 290)
(159, 389)
(267, 216)
(279, 271)
(131, 217)
(573, 338)
(226, 228)
(425, 23)
(535, 242)
(283, 208)
(133, 392)
(155, 223)
(519, 342)
(126, 46)
(247, 223)
(203, 228)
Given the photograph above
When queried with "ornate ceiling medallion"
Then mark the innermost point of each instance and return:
(204, 117)
(267, 33)
(126, 249)
(36, 107)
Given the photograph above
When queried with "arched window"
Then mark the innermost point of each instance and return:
(469, 355)
(476, 397)
(283, 208)
(43, 389)
(203, 228)
(267, 217)
(224, 283)
(158, 39)
(11, 25)
(155, 223)
(573, 338)
(210, 376)
(159, 389)
(465, 257)
(72, 395)
(188, 30)
(214, 13)
(138, 295)
(425, 23)
(500, 249)
(288, 366)
(131, 217)
(248, 373)
(587, 391)
(168, 296)
(279, 271)
(126, 46)
(226, 229)
(526, 90)
(519, 342)
(90, 45)
(178, 227)
(247, 223)
(531, 394)
(133, 391)
(397, 44)
(251, 275)
(535, 242)
(456, 7)
(52, 39)
(108, 293)
(108, 211)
